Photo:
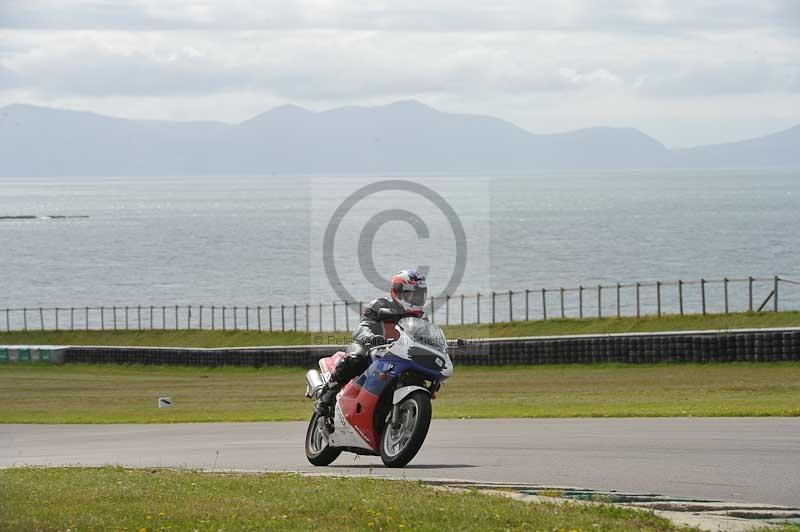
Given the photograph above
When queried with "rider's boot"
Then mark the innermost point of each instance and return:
(327, 396)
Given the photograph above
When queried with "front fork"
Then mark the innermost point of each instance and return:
(393, 421)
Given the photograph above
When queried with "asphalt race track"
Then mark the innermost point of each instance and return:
(753, 460)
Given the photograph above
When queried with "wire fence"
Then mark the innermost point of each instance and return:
(640, 299)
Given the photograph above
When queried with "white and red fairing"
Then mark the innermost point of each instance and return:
(355, 406)
(353, 414)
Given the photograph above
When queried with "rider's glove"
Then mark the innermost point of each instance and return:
(376, 340)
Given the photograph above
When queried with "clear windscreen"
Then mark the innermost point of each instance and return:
(424, 332)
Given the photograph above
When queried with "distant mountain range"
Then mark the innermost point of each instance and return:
(405, 136)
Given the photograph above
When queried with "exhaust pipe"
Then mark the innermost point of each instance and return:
(313, 382)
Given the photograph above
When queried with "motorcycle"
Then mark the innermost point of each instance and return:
(386, 411)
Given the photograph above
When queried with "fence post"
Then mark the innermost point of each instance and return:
(164, 317)
(725, 284)
(347, 315)
(638, 308)
(270, 318)
(580, 301)
(200, 318)
(139, 317)
(527, 293)
(86, 317)
(775, 297)
(235, 322)
(703, 294)
(478, 297)
(510, 306)
(41, 318)
(294, 317)
(25, 319)
(750, 294)
(308, 328)
(619, 312)
(462, 309)
(544, 304)
(102, 319)
(658, 298)
(447, 310)
(176, 317)
(8, 320)
(493, 302)
(223, 318)
(599, 301)
(114, 311)
(213, 319)
(283, 318)
(433, 312)
(55, 312)
(258, 317)
(680, 295)
(151, 317)
(72, 319)
(126, 317)
(561, 295)
(246, 318)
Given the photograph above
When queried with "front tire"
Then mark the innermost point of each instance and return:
(402, 439)
(318, 451)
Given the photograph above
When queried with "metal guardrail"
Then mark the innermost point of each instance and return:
(639, 299)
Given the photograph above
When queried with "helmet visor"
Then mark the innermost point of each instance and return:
(416, 297)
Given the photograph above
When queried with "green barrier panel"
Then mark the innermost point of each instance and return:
(3, 355)
(24, 355)
(44, 355)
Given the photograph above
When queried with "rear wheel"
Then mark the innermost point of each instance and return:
(318, 452)
(403, 437)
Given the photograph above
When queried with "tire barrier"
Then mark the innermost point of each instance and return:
(673, 347)
(754, 345)
(24, 353)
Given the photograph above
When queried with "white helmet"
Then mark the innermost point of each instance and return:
(409, 289)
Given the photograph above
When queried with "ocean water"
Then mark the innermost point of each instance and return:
(259, 240)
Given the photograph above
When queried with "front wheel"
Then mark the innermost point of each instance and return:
(318, 452)
(403, 437)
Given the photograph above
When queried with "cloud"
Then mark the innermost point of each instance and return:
(385, 15)
(91, 72)
(708, 79)
(320, 65)
(547, 65)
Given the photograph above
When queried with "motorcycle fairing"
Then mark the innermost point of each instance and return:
(327, 365)
(356, 405)
(390, 332)
(403, 364)
(425, 359)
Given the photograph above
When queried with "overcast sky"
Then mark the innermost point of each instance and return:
(685, 72)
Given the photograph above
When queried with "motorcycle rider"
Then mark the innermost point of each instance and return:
(406, 299)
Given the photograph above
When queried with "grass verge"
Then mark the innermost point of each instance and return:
(160, 499)
(205, 338)
(76, 393)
